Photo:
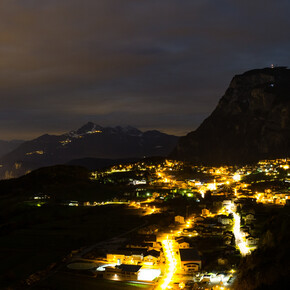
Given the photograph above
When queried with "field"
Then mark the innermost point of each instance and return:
(37, 237)
(63, 281)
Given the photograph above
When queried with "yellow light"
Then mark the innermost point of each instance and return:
(238, 235)
(211, 186)
(169, 255)
(237, 177)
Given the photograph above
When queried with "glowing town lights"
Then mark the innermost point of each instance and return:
(202, 192)
(237, 177)
(211, 186)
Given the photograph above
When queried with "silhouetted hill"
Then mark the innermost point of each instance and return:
(250, 123)
(100, 163)
(42, 179)
(60, 182)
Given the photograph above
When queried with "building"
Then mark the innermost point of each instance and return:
(122, 272)
(151, 258)
(251, 241)
(205, 212)
(190, 260)
(126, 256)
(225, 220)
(249, 218)
(179, 219)
(182, 244)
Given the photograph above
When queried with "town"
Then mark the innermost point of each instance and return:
(198, 222)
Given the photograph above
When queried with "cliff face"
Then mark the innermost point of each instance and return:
(251, 122)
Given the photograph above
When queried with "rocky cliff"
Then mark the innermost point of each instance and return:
(251, 122)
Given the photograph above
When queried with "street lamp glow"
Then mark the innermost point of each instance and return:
(169, 255)
(238, 235)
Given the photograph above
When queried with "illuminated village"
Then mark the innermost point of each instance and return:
(198, 222)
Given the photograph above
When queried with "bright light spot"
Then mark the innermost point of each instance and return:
(171, 262)
(103, 267)
(211, 186)
(202, 192)
(237, 177)
(238, 235)
(148, 274)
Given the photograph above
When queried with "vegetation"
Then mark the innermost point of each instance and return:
(59, 182)
(269, 266)
(36, 233)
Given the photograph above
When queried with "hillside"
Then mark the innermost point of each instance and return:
(89, 141)
(250, 123)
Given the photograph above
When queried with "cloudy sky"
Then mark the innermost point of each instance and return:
(161, 64)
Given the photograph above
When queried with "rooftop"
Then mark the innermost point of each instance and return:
(129, 268)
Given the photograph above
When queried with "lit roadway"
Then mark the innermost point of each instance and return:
(171, 263)
(240, 241)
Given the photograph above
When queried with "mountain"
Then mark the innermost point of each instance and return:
(250, 123)
(7, 146)
(90, 140)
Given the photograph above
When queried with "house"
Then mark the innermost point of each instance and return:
(179, 219)
(199, 219)
(251, 241)
(225, 220)
(249, 218)
(126, 256)
(151, 258)
(205, 212)
(227, 240)
(245, 231)
(182, 244)
(230, 250)
(190, 259)
(155, 194)
(122, 272)
(227, 202)
(138, 182)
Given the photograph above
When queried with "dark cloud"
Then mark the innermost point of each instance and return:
(160, 64)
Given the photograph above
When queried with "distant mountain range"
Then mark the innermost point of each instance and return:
(91, 141)
(250, 123)
(7, 146)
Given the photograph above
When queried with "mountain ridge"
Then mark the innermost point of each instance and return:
(90, 140)
(251, 122)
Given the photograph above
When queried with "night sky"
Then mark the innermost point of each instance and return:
(160, 64)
